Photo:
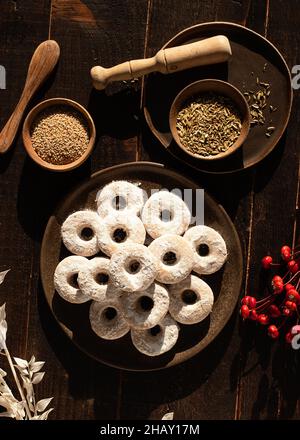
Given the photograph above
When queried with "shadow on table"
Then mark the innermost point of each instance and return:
(39, 193)
(276, 393)
(89, 379)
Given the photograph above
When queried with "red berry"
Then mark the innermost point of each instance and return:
(252, 302)
(277, 279)
(263, 319)
(289, 286)
(249, 301)
(293, 295)
(267, 262)
(289, 337)
(291, 305)
(273, 331)
(286, 253)
(274, 311)
(286, 311)
(245, 300)
(245, 312)
(277, 287)
(293, 267)
(253, 315)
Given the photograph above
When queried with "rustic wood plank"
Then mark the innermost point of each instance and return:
(89, 32)
(23, 26)
(266, 390)
(215, 372)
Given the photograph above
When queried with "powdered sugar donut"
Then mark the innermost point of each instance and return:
(79, 233)
(118, 228)
(120, 195)
(107, 320)
(191, 300)
(157, 340)
(210, 251)
(94, 280)
(66, 276)
(145, 309)
(175, 258)
(133, 267)
(165, 213)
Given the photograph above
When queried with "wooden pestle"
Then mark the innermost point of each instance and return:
(209, 51)
(42, 64)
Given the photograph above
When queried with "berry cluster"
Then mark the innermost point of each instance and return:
(279, 309)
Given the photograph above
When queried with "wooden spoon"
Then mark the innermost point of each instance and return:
(42, 64)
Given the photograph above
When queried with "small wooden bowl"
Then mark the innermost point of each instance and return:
(220, 88)
(31, 118)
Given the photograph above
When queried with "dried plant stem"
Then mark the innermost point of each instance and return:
(13, 370)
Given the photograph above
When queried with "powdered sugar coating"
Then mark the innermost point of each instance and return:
(217, 255)
(157, 207)
(151, 345)
(106, 328)
(131, 225)
(131, 194)
(172, 273)
(191, 313)
(133, 311)
(71, 232)
(121, 261)
(90, 283)
(64, 275)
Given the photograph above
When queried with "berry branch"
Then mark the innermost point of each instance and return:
(280, 310)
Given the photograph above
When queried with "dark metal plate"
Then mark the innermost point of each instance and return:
(250, 53)
(74, 318)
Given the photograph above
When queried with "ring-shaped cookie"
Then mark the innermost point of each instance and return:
(79, 233)
(209, 249)
(175, 258)
(165, 213)
(156, 340)
(133, 267)
(145, 309)
(191, 300)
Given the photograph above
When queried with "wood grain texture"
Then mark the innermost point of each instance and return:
(241, 375)
(84, 389)
(216, 371)
(267, 390)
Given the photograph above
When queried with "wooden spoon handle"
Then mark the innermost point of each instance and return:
(209, 51)
(42, 64)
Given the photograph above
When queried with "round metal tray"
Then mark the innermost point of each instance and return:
(74, 318)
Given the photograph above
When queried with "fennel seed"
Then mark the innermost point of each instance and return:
(208, 124)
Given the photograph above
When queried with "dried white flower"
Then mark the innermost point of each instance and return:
(29, 372)
(168, 416)
(3, 275)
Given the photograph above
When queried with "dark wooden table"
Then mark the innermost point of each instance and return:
(242, 375)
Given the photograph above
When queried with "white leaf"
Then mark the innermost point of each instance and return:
(37, 366)
(168, 416)
(2, 313)
(3, 275)
(45, 415)
(21, 362)
(37, 378)
(32, 360)
(2, 373)
(42, 404)
(3, 327)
